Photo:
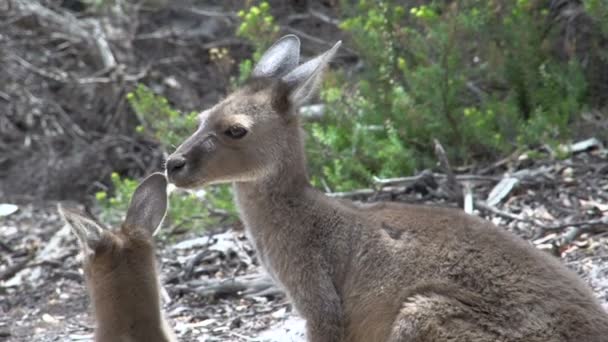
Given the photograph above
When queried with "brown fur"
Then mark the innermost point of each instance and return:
(120, 273)
(384, 272)
(123, 285)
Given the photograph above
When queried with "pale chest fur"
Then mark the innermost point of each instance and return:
(262, 254)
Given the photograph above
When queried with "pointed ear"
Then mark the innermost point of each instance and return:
(148, 204)
(84, 226)
(303, 81)
(279, 59)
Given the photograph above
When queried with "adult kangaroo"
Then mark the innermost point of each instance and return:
(382, 272)
(120, 267)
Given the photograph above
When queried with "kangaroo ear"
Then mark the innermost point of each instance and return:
(279, 59)
(148, 204)
(303, 81)
(84, 226)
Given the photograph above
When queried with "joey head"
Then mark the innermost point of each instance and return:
(381, 272)
(120, 267)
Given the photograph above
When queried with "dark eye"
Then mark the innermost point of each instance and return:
(236, 132)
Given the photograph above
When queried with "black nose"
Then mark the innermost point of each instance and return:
(175, 163)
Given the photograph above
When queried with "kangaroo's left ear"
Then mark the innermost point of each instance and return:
(303, 81)
(88, 231)
(279, 59)
(148, 204)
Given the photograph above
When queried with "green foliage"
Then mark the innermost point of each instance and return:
(159, 119)
(259, 27)
(478, 76)
(598, 9)
(114, 206)
(169, 127)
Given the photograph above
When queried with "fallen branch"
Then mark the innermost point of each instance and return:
(255, 285)
(323, 17)
(64, 77)
(545, 226)
(6, 247)
(210, 12)
(14, 269)
(67, 21)
(483, 206)
(100, 41)
(58, 77)
(603, 221)
(206, 254)
(317, 40)
(367, 192)
(440, 176)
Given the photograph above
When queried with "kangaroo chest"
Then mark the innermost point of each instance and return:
(262, 254)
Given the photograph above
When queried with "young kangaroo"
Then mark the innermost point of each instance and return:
(383, 272)
(120, 267)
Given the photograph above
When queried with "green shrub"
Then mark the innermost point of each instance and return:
(598, 10)
(478, 76)
(114, 206)
(259, 27)
(159, 120)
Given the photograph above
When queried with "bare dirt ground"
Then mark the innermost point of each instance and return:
(213, 283)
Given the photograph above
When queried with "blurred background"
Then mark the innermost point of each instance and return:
(94, 94)
(92, 88)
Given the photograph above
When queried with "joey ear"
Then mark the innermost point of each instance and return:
(84, 226)
(303, 81)
(148, 204)
(280, 58)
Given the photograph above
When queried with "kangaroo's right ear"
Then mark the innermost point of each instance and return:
(282, 57)
(148, 204)
(303, 81)
(86, 229)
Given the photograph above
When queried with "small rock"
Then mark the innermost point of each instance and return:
(7, 209)
(236, 323)
(49, 319)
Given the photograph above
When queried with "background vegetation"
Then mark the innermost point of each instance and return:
(480, 76)
(484, 77)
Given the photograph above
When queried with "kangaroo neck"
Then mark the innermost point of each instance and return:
(133, 310)
(271, 200)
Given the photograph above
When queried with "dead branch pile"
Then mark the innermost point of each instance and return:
(65, 123)
(67, 66)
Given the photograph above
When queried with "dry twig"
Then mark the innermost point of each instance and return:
(256, 285)
(452, 188)
(69, 24)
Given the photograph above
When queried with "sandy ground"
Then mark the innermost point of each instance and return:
(43, 297)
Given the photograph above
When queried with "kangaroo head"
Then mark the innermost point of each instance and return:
(106, 250)
(244, 137)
